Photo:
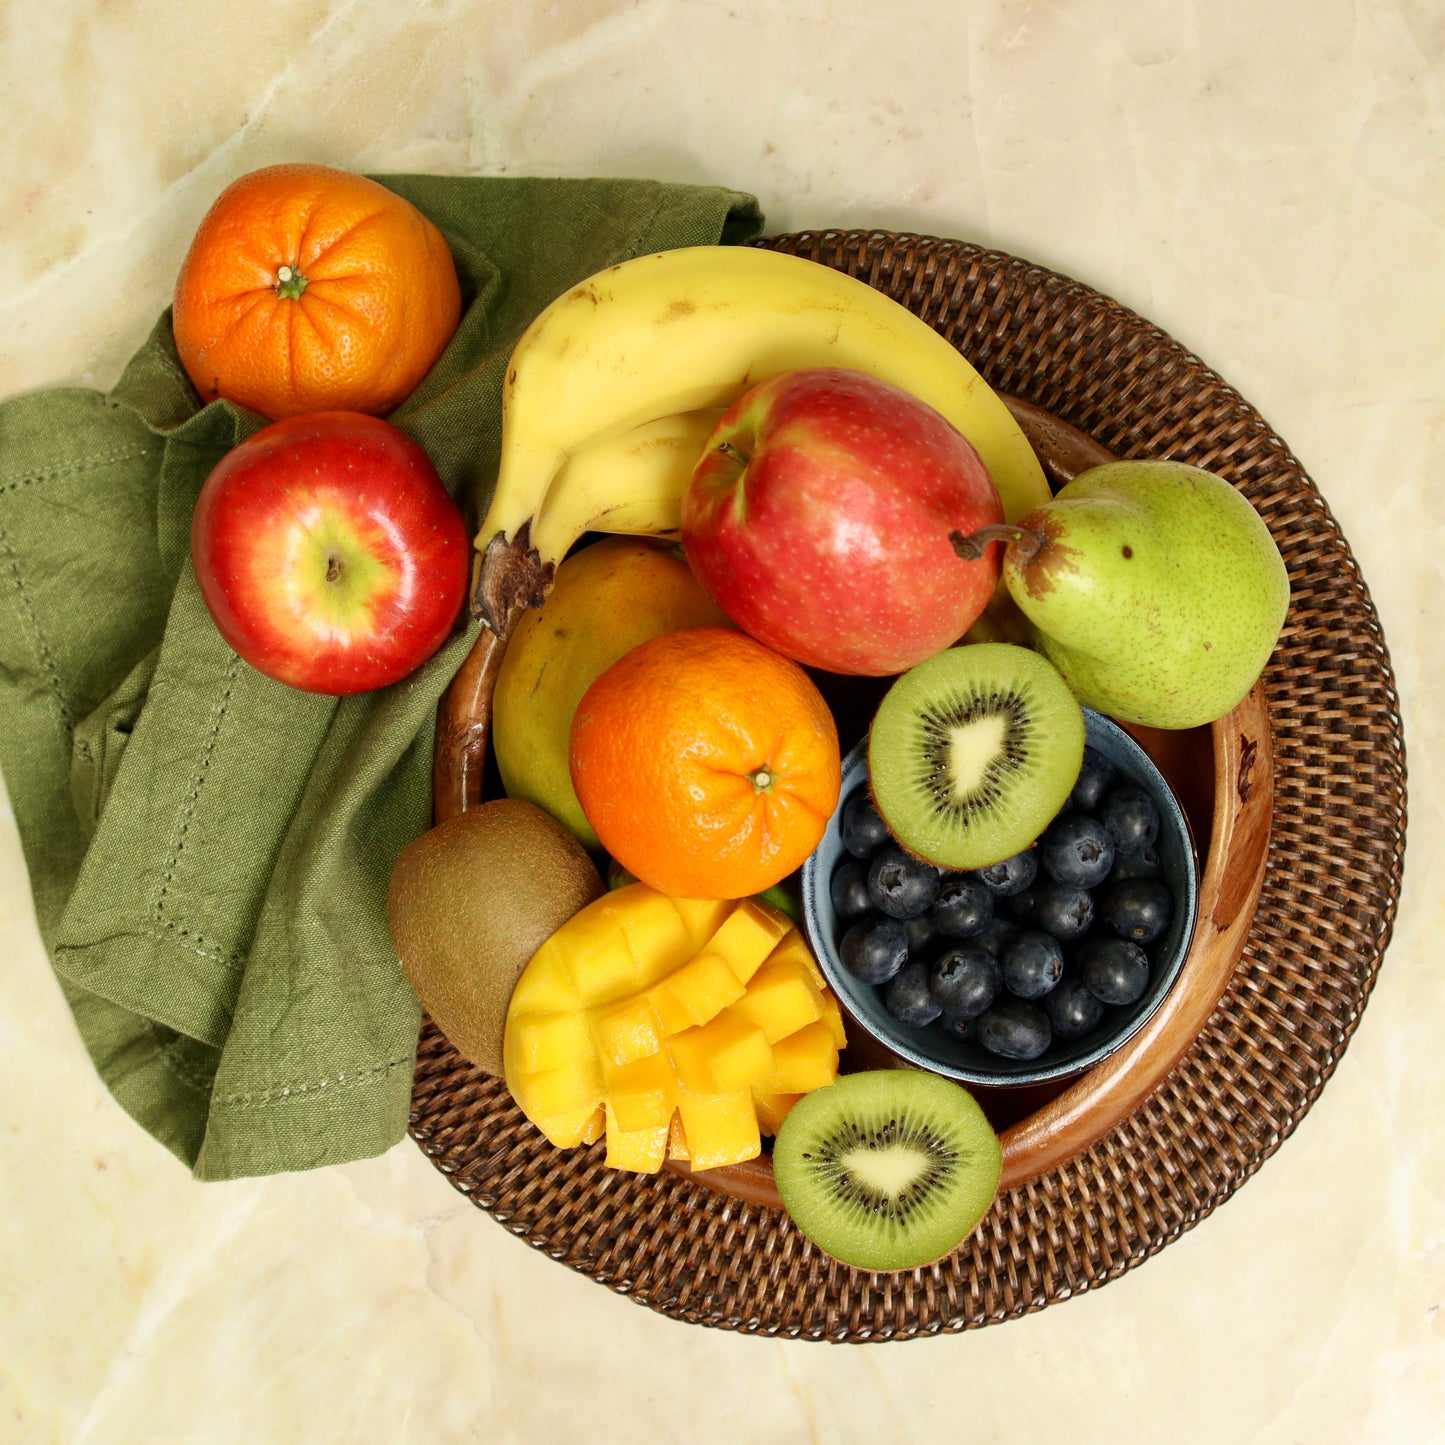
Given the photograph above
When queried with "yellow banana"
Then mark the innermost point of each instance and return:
(691, 329)
(631, 483)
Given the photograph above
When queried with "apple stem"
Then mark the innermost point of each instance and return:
(333, 568)
(290, 283)
(734, 454)
(1027, 544)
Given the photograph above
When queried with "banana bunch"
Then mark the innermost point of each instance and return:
(613, 389)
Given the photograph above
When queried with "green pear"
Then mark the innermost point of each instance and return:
(1154, 587)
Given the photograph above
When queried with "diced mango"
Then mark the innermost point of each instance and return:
(567, 1130)
(656, 935)
(641, 1093)
(550, 1041)
(546, 985)
(748, 935)
(793, 945)
(674, 1027)
(702, 917)
(553, 1092)
(772, 1109)
(805, 1060)
(781, 998)
(721, 1129)
(694, 993)
(641, 1150)
(728, 1053)
(833, 1017)
(627, 1029)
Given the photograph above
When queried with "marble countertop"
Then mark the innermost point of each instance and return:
(1267, 183)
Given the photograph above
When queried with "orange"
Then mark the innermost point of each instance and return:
(312, 289)
(706, 762)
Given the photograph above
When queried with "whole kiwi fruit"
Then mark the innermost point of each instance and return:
(471, 900)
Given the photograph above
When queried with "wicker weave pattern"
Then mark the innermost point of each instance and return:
(1310, 961)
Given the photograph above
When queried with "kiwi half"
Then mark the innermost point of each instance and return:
(887, 1169)
(973, 752)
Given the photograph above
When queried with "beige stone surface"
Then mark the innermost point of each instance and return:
(1267, 182)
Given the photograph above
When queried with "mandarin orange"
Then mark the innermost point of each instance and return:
(706, 762)
(313, 289)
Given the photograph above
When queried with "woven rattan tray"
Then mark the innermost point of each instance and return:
(1331, 886)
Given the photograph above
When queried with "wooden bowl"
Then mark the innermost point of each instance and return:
(1224, 778)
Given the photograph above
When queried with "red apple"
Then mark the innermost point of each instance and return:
(819, 516)
(329, 553)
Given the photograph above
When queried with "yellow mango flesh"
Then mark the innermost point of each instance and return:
(675, 1028)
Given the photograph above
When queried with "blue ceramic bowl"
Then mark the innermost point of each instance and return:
(970, 1063)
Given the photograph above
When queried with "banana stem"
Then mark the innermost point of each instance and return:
(508, 577)
(1026, 543)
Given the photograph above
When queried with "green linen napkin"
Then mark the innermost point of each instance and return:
(209, 851)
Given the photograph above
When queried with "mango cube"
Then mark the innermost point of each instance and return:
(772, 1109)
(694, 993)
(641, 1093)
(583, 1126)
(641, 1150)
(720, 1128)
(781, 998)
(546, 985)
(728, 1053)
(702, 917)
(795, 946)
(833, 1017)
(748, 935)
(550, 1041)
(805, 1060)
(627, 1030)
(566, 1091)
(657, 938)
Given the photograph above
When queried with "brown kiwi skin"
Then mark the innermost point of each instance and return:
(471, 900)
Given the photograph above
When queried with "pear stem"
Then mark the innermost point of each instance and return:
(1027, 544)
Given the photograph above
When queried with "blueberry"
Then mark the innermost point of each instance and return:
(1014, 1029)
(965, 980)
(1095, 777)
(1071, 1009)
(1077, 850)
(1132, 816)
(901, 886)
(921, 934)
(874, 949)
(1010, 875)
(909, 999)
(1144, 864)
(1137, 908)
(964, 1030)
(1114, 970)
(861, 828)
(848, 888)
(996, 936)
(1064, 911)
(1032, 964)
(963, 908)
(1023, 905)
